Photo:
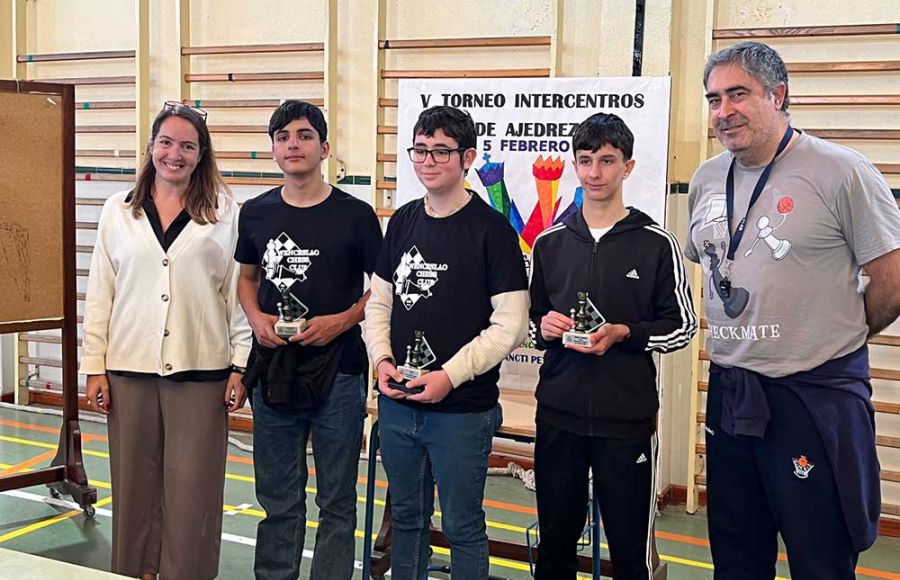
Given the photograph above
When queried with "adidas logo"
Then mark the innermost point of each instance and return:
(633, 275)
(641, 459)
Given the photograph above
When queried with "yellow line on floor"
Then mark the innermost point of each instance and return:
(696, 564)
(313, 524)
(361, 534)
(44, 445)
(241, 478)
(48, 522)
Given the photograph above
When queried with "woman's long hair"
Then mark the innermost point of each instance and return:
(206, 182)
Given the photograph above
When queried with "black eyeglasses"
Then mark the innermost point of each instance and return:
(175, 105)
(420, 154)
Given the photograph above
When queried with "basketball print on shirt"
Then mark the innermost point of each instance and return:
(415, 277)
(284, 262)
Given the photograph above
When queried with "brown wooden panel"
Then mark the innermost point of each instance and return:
(264, 155)
(389, 103)
(245, 103)
(808, 31)
(42, 362)
(384, 212)
(848, 134)
(254, 48)
(466, 74)
(255, 77)
(884, 407)
(41, 338)
(105, 129)
(887, 475)
(261, 129)
(386, 157)
(103, 177)
(34, 170)
(253, 181)
(844, 100)
(60, 56)
(889, 169)
(385, 185)
(387, 129)
(92, 105)
(486, 42)
(885, 441)
(120, 80)
(122, 153)
(95, 201)
(844, 67)
(886, 374)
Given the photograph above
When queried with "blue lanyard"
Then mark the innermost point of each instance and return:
(760, 184)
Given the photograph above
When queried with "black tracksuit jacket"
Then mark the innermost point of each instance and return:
(634, 276)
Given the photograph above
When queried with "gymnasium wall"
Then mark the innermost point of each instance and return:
(595, 38)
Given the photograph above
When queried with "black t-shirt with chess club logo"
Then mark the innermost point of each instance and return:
(318, 253)
(444, 272)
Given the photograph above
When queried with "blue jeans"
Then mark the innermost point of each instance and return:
(420, 448)
(279, 462)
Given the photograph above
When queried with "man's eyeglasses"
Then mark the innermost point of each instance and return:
(175, 105)
(419, 154)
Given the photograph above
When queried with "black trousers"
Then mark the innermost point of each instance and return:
(624, 473)
(782, 482)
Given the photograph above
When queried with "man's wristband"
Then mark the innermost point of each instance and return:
(238, 370)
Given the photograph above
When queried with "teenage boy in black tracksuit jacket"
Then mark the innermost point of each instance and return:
(597, 404)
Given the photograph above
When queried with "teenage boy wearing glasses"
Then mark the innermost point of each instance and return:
(450, 268)
(306, 247)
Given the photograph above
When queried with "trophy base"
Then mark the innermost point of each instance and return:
(408, 373)
(574, 338)
(286, 329)
(401, 386)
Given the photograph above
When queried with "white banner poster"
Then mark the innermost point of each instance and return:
(524, 166)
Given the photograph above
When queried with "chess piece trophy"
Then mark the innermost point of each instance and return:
(290, 320)
(581, 332)
(418, 355)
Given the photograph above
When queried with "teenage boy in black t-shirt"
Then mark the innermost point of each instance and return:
(597, 404)
(309, 244)
(450, 268)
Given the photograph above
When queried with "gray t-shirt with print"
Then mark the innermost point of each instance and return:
(795, 300)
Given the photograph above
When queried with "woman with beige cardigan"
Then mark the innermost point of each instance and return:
(165, 343)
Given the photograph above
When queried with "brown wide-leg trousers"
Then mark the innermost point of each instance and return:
(167, 444)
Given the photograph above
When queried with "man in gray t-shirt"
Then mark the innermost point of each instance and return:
(795, 301)
(787, 314)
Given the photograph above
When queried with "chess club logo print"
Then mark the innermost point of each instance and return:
(415, 277)
(284, 262)
(802, 466)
